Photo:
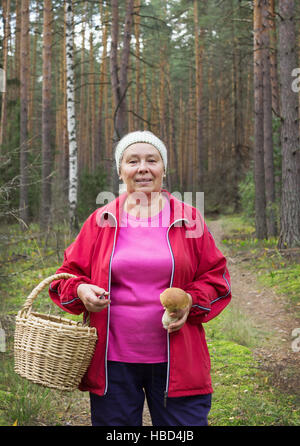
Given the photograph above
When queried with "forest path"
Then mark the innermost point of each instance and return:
(268, 314)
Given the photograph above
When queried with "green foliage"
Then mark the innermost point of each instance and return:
(90, 185)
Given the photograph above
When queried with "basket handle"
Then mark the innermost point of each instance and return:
(34, 293)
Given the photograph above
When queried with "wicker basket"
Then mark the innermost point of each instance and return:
(50, 350)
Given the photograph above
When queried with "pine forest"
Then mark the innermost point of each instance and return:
(216, 80)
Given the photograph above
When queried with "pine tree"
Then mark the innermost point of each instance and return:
(47, 154)
(24, 80)
(259, 173)
(290, 197)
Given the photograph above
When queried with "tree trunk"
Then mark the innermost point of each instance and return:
(114, 58)
(47, 155)
(73, 162)
(82, 106)
(145, 108)
(238, 111)
(273, 59)
(290, 198)
(119, 77)
(24, 78)
(268, 127)
(173, 142)
(119, 80)
(17, 43)
(181, 140)
(125, 64)
(101, 147)
(137, 6)
(259, 176)
(6, 15)
(199, 87)
(33, 76)
(92, 107)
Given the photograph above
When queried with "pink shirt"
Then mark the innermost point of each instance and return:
(141, 270)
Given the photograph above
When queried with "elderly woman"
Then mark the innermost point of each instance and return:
(126, 254)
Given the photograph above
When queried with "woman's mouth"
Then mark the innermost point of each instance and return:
(143, 180)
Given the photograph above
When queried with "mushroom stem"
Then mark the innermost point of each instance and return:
(167, 319)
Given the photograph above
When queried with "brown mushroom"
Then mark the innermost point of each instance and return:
(172, 299)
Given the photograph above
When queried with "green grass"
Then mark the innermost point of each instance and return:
(22, 402)
(243, 392)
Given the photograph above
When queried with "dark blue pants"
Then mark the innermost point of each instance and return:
(128, 384)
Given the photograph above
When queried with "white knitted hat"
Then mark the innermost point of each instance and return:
(140, 136)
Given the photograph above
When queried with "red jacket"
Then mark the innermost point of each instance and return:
(198, 267)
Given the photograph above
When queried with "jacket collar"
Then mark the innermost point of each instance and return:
(179, 211)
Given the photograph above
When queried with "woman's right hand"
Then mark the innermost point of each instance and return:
(93, 297)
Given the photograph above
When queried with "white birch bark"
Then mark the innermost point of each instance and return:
(70, 88)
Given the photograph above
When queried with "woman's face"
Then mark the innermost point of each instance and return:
(142, 168)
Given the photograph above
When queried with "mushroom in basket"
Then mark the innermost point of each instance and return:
(173, 299)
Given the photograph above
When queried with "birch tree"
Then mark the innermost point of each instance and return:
(70, 84)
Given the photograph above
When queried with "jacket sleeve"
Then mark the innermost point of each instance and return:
(77, 261)
(210, 289)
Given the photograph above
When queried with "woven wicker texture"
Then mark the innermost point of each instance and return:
(50, 350)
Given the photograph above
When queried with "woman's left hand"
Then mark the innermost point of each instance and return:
(182, 316)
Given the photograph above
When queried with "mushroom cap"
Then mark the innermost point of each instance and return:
(174, 299)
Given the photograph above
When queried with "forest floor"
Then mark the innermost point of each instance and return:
(269, 313)
(255, 370)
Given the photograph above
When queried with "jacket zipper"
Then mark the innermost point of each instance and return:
(108, 312)
(168, 335)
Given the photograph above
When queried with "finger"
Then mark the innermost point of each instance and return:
(94, 299)
(98, 305)
(99, 291)
(177, 314)
(103, 295)
(174, 326)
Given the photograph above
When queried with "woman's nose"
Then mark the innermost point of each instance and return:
(143, 165)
